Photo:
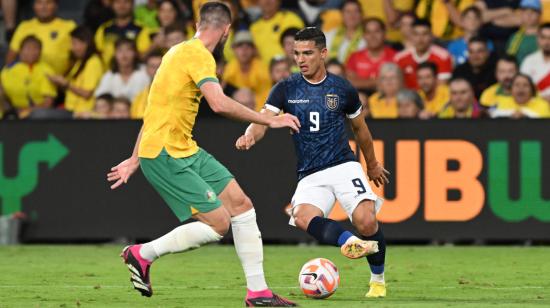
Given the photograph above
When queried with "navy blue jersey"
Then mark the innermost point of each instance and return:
(321, 109)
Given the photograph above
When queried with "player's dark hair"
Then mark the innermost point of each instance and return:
(312, 34)
(422, 22)
(472, 9)
(31, 39)
(531, 83)
(545, 25)
(509, 59)
(121, 42)
(85, 35)
(375, 20)
(216, 14)
(427, 65)
(288, 32)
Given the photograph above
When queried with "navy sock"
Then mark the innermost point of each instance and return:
(376, 261)
(328, 231)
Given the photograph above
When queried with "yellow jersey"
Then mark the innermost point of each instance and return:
(436, 104)
(375, 8)
(55, 37)
(257, 79)
(139, 103)
(536, 107)
(492, 95)
(108, 33)
(382, 108)
(88, 79)
(27, 86)
(267, 33)
(436, 12)
(174, 100)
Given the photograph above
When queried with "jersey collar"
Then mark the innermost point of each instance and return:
(315, 83)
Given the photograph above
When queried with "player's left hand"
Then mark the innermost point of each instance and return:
(378, 174)
(122, 172)
(245, 142)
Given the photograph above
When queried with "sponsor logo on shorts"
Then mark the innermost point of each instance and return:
(210, 196)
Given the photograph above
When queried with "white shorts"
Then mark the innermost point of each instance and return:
(346, 183)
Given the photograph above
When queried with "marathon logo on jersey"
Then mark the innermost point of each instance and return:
(332, 101)
(298, 101)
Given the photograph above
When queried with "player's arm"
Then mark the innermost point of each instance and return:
(122, 172)
(230, 108)
(375, 170)
(254, 133)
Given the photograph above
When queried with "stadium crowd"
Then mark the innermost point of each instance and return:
(408, 58)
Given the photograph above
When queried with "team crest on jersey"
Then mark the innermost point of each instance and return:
(332, 101)
(53, 35)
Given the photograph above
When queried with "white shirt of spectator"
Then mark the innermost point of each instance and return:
(112, 83)
(345, 44)
(538, 69)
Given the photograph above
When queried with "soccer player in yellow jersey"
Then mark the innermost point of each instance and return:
(190, 180)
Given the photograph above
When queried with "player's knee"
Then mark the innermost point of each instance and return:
(367, 226)
(302, 219)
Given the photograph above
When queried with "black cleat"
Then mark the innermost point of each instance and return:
(139, 269)
(274, 301)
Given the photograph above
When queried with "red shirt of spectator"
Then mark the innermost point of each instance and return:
(409, 60)
(365, 66)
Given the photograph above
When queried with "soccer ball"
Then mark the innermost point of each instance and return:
(319, 278)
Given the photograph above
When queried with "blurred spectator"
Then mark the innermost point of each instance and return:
(434, 94)
(267, 30)
(287, 42)
(480, 67)
(363, 66)
(364, 98)
(312, 12)
(83, 77)
(383, 104)
(279, 69)
(97, 12)
(500, 21)
(125, 78)
(507, 68)
(25, 81)
(537, 65)
(545, 11)
(524, 42)
(336, 68)
(246, 98)
(409, 104)
(173, 35)
(53, 33)
(146, 14)
(444, 16)
(523, 103)
(423, 50)
(389, 11)
(169, 16)
(102, 108)
(247, 70)
(463, 104)
(348, 38)
(471, 24)
(122, 26)
(9, 14)
(405, 26)
(120, 109)
(152, 64)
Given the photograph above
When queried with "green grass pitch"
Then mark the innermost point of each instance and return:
(94, 276)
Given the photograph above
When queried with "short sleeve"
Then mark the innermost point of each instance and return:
(93, 70)
(276, 98)
(351, 64)
(445, 68)
(353, 106)
(201, 67)
(18, 37)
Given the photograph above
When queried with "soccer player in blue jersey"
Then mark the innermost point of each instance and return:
(327, 168)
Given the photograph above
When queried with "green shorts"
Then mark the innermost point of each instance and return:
(189, 185)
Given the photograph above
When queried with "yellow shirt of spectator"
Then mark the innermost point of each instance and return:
(108, 33)
(536, 107)
(375, 8)
(257, 79)
(382, 108)
(267, 33)
(87, 79)
(545, 17)
(27, 86)
(55, 38)
(436, 12)
(436, 104)
(492, 95)
(174, 100)
(138, 105)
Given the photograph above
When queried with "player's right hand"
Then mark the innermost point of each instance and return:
(285, 120)
(122, 172)
(245, 142)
